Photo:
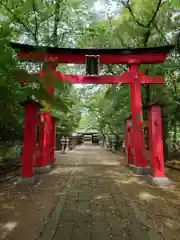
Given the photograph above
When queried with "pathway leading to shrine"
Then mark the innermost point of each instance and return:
(89, 195)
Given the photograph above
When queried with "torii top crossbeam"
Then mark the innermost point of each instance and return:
(78, 55)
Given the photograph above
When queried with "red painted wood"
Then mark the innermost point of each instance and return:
(156, 150)
(125, 78)
(129, 141)
(51, 91)
(150, 137)
(41, 140)
(45, 138)
(130, 146)
(30, 137)
(148, 79)
(137, 125)
(53, 140)
(106, 79)
(126, 139)
(142, 58)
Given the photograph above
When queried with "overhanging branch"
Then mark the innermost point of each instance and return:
(36, 21)
(127, 5)
(18, 20)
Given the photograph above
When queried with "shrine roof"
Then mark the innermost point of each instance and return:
(77, 55)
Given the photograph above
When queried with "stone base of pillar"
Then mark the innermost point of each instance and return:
(44, 169)
(140, 170)
(131, 166)
(159, 181)
(27, 181)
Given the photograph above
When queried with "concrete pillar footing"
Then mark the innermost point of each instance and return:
(159, 181)
(43, 169)
(140, 170)
(27, 181)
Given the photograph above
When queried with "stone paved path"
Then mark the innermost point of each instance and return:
(89, 195)
(92, 206)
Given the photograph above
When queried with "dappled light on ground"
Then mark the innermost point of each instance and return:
(129, 181)
(147, 196)
(6, 228)
(89, 194)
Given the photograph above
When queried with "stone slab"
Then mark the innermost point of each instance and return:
(64, 231)
(51, 225)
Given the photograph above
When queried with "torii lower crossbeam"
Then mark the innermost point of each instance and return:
(126, 78)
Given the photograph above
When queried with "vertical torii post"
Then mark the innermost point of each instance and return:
(44, 163)
(129, 141)
(53, 140)
(140, 166)
(156, 145)
(136, 79)
(30, 138)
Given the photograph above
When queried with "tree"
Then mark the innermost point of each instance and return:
(154, 24)
(42, 23)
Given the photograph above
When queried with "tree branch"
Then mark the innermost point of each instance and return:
(18, 20)
(148, 25)
(45, 19)
(36, 21)
(110, 68)
(159, 31)
(155, 13)
(127, 5)
(56, 22)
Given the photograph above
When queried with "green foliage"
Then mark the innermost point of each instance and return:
(9, 93)
(154, 23)
(75, 23)
(36, 22)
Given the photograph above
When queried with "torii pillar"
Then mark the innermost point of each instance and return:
(138, 144)
(156, 145)
(128, 142)
(53, 140)
(30, 138)
(44, 162)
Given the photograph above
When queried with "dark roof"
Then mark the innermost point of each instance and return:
(90, 51)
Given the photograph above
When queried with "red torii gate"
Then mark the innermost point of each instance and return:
(131, 57)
